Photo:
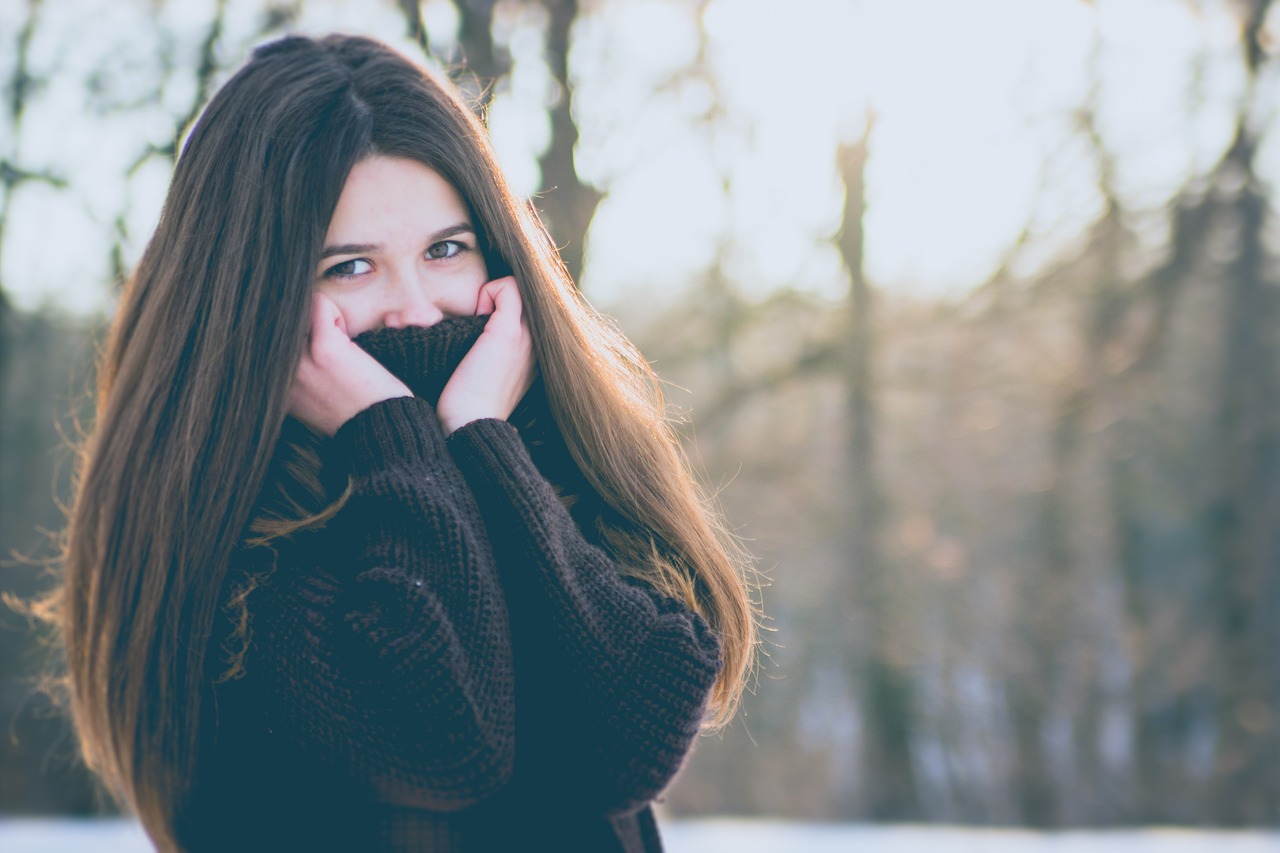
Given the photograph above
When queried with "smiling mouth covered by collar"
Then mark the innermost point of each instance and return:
(424, 357)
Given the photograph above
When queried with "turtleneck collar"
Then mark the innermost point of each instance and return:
(424, 357)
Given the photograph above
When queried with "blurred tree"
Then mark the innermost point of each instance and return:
(39, 768)
(18, 88)
(477, 62)
(1242, 510)
(565, 200)
(867, 588)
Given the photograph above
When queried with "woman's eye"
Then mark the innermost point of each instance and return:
(353, 267)
(444, 249)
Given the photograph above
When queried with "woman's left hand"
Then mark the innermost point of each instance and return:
(499, 368)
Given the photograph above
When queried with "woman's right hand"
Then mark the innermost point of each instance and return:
(336, 380)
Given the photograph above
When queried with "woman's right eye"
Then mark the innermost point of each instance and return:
(349, 269)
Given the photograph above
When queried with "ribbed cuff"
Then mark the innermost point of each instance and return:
(395, 431)
(493, 449)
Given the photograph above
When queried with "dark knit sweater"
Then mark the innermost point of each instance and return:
(454, 662)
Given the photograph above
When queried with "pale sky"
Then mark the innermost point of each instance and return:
(973, 139)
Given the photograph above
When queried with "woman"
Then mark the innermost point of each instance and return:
(380, 540)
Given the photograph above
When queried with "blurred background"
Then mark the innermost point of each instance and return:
(972, 310)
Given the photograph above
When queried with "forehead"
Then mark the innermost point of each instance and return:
(392, 193)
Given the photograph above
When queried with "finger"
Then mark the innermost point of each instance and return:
(490, 291)
(329, 324)
(322, 310)
(317, 317)
(484, 299)
(507, 305)
(326, 309)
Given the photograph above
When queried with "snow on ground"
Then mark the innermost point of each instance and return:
(738, 835)
(29, 835)
(742, 835)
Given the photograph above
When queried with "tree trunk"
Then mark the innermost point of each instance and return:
(566, 203)
(1243, 517)
(888, 772)
(1243, 513)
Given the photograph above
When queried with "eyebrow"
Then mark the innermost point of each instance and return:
(362, 248)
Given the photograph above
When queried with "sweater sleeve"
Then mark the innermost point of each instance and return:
(389, 648)
(636, 667)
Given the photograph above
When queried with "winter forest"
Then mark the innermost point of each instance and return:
(970, 314)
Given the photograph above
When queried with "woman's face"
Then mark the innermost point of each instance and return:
(400, 249)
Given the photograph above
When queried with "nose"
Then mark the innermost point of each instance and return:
(409, 303)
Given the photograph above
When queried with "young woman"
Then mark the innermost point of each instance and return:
(380, 539)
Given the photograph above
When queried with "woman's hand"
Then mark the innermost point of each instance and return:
(500, 367)
(336, 379)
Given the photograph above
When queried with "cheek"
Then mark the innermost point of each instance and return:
(465, 287)
(355, 310)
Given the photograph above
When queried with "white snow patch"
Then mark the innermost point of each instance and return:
(747, 835)
(742, 835)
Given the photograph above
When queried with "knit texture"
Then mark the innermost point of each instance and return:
(424, 357)
(452, 663)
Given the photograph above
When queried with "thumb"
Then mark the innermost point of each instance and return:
(327, 316)
(484, 302)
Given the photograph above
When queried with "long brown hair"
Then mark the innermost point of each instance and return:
(197, 371)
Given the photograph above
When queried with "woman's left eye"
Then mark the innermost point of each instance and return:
(444, 249)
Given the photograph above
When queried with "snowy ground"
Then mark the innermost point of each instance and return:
(750, 836)
(758, 836)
